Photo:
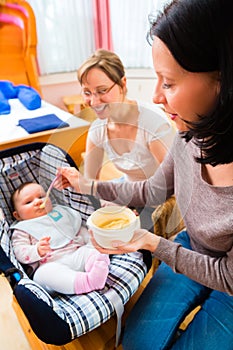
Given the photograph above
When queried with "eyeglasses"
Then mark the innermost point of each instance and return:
(98, 93)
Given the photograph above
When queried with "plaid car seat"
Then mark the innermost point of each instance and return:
(60, 318)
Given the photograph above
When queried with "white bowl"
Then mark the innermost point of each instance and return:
(113, 223)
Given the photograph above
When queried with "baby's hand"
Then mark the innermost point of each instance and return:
(43, 246)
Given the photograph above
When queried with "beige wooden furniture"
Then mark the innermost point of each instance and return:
(72, 140)
(76, 105)
(71, 101)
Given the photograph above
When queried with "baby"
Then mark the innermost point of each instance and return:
(52, 241)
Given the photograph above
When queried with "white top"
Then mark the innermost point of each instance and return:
(139, 163)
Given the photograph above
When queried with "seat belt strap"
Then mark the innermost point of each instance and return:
(116, 301)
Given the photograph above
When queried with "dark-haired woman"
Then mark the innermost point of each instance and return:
(193, 61)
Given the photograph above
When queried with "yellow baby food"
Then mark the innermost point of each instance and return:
(116, 223)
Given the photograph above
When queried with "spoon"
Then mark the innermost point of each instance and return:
(48, 192)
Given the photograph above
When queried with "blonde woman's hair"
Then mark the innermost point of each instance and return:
(107, 61)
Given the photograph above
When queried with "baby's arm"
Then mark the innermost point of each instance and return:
(43, 246)
(25, 247)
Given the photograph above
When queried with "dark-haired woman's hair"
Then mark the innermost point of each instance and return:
(199, 34)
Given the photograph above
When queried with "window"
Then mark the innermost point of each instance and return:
(65, 31)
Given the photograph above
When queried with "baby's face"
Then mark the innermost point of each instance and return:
(28, 201)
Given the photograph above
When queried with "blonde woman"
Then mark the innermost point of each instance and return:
(134, 135)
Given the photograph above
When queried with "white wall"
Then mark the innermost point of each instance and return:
(140, 84)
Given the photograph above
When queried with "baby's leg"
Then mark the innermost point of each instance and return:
(95, 257)
(56, 277)
(97, 268)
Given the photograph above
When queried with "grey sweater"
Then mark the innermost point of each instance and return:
(207, 211)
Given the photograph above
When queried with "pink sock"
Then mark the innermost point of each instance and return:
(94, 278)
(96, 257)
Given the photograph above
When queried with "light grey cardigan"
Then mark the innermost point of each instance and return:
(207, 211)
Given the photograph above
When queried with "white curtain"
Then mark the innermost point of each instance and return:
(130, 24)
(129, 19)
(65, 32)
